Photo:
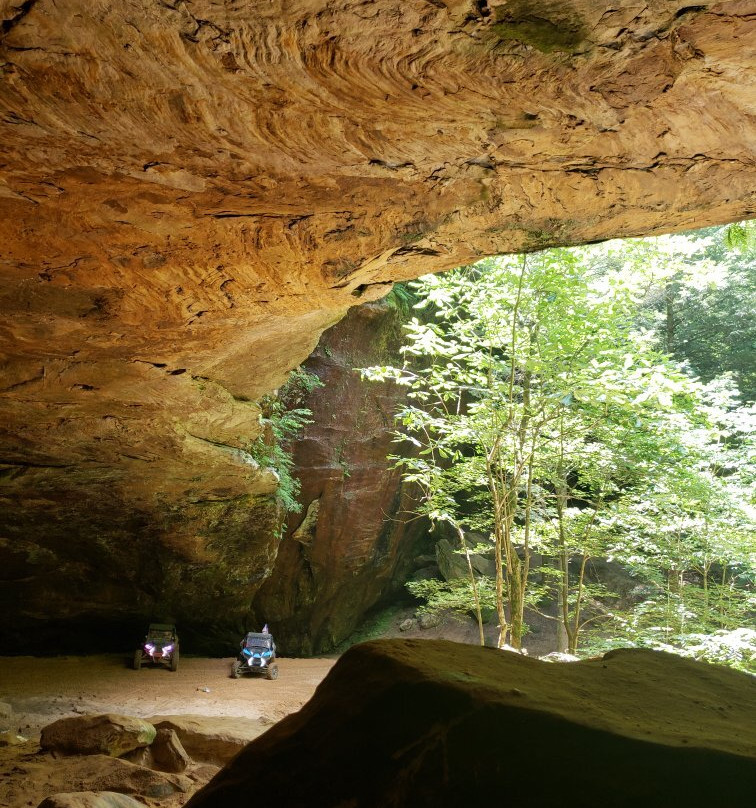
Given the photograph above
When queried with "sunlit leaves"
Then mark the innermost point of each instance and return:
(543, 408)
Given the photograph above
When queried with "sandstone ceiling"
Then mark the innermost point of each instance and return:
(191, 191)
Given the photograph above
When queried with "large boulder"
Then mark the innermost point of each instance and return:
(90, 799)
(413, 722)
(453, 564)
(107, 734)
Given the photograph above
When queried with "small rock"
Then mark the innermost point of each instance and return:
(204, 689)
(559, 656)
(9, 738)
(428, 620)
(108, 734)
(408, 624)
(167, 752)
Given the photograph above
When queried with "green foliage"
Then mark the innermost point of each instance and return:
(697, 297)
(402, 297)
(741, 236)
(455, 595)
(543, 410)
(282, 423)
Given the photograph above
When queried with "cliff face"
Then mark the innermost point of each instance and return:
(356, 537)
(190, 192)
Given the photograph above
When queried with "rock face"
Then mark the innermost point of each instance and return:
(191, 192)
(355, 536)
(413, 722)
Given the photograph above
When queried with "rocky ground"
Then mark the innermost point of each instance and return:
(42, 691)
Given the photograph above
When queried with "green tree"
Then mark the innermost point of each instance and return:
(697, 296)
(525, 361)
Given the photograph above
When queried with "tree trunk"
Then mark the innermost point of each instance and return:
(474, 585)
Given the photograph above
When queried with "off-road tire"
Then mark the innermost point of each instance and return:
(236, 671)
(137, 663)
(272, 672)
(175, 659)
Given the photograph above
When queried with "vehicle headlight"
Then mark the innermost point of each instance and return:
(167, 649)
(149, 647)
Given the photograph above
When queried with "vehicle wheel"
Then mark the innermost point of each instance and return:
(272, 672)
(137, 659)
(175, 659)
(236, 671)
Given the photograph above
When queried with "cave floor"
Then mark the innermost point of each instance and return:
(41, 691)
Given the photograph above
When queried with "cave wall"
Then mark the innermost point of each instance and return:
(191, 192)
(355, 541)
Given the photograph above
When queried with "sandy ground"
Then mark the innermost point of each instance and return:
(42, 690)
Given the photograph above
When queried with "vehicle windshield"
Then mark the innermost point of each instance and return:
(163, 637)
(258, 641)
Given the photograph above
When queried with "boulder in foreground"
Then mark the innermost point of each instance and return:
(107, 734)
(90, 799)
(427, 722)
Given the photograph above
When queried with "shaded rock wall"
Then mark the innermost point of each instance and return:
(355, 540)
(421, 722)
(190, 192)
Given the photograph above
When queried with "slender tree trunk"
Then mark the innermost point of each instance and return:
(500, 540)
(474, 584)
(671, 323)
(575, 638)
(563, 635)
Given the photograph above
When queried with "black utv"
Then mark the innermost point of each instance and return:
(257, 656)
(160, 647)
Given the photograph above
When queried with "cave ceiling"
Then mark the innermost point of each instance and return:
(190, 192)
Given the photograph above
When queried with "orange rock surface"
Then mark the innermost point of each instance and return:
(190, 192)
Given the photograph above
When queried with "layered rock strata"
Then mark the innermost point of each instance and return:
(190, 192)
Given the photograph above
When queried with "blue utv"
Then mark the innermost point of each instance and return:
(257, 656)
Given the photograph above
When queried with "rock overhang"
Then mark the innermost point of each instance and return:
(191, 193)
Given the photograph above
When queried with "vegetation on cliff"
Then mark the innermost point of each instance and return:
(283, 419)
